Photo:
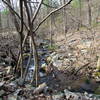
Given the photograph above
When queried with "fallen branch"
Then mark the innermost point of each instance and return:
(40, 88)
(86, 65)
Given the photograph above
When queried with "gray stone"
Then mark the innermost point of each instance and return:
(87, 87)
(17, 91)
(2, 83)
(57, 63)
(2, 92)
(58, 96)
(13, 84)
(12, 97)
(69, 94)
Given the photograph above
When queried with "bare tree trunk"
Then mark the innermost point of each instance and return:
(65, 18)
(0, 21)
(80, 6)
(8, 26)
(35, 53)
(21, 37)
(51, 30)
(89, 12)
(16, 23)
(98, 15)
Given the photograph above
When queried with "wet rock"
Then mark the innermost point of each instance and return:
(40, 88)
(87, 87)
(3, 64)
(49, 59)
(58, 96)
(71, 95)
(97, 97)
(21, 82)
(20, 98)
(98, 79)
(29, 87)
(17, 91)
(8, 69)
(2, 83)
(1, 99)
(13, 84)
(55, 58)
(98, 90)
(2, 92)
(44, 65)
(72, 58)
(42, 74)
(8, 60)
(57, 63)
(12, 97)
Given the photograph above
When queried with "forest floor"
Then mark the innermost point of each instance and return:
(70, 68)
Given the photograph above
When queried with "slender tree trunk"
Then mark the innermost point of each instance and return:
(89, 12)
(21, 37)
(98, 15)
(51, 30)
(17, 25)
(35, 53)
(80, 6)
(0, 21)
(65, 18)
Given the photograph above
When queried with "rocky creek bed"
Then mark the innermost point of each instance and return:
(66, 73)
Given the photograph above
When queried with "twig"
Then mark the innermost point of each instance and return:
(35, 15)
(42, 3)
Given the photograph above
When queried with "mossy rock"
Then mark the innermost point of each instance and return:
(97, 74)
(52, 47)
(97, 91)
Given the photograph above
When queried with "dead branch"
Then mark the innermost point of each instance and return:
(35, 15)
(42, 3)
(86, 65)
(40, 88)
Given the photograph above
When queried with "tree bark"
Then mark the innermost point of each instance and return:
(80, 6)
(35, 53)
(65, 18)
(89, 12)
